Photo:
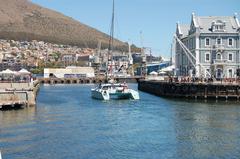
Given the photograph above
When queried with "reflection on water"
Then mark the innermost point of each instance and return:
(16, 117)
(67, 123)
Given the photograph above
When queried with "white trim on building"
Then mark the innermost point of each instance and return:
(207, 57)
(207, 42)
(230, 58)
(232, 42)
(218, 41)
(230, 73)
(218, 56)
(213, 41)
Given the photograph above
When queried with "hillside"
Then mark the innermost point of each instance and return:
(24, 20)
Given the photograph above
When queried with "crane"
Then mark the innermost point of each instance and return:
(189, 55)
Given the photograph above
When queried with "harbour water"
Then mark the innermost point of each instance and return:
(67, 123)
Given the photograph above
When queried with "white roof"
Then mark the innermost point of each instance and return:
(7, 71)
(153, 73)
(24, 71)
(168, 69)
(162, 72)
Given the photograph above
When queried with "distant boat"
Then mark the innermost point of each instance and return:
(113, 90)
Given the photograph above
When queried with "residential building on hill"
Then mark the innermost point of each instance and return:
(212, 47)
(10, 63)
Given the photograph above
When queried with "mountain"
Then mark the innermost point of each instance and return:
(24, 20)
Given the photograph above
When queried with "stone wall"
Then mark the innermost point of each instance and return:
(18, 92)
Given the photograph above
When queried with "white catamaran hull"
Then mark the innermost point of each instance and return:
(112, 94)
(101, 95)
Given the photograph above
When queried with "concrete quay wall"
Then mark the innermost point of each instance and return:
(191, 90)
(12, 94)
(15, 85)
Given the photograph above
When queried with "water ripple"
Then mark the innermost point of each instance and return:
(67, 123)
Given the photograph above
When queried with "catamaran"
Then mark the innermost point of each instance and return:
(112, 90)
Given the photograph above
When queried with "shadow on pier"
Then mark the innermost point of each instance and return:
(12, 107)
(191, 90)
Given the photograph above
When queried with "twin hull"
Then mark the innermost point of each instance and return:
(108, 94)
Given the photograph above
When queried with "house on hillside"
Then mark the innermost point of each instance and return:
(212, 47)
(10, 63)
(85, 60)
(68, 59)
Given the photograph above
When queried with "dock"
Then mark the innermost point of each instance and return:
(15, 95)
(216, 90)
(94, 80)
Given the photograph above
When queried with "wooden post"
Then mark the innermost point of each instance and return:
(27, 102)
(206, 92)
(226, 89)
(237, 93)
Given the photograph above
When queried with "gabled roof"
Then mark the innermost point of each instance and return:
(7, 71)
(183, 30)
(205, 23)
(24, 71)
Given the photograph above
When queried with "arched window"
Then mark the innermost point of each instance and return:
(219, 56)
(218, 41)
(207, 57)
(207, 42)
(230, 42)
(230, 56)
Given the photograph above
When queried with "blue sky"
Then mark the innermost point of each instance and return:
(156, 19)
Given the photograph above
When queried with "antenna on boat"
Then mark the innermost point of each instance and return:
(143, 55)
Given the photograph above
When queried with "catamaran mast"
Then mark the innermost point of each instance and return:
(111, 39)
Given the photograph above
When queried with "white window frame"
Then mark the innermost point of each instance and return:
(228, 41)
(220, 56)
(207, 53)
(206, 72)
(229, 73)
(217, 41)
(206, 42)
(228, 57)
